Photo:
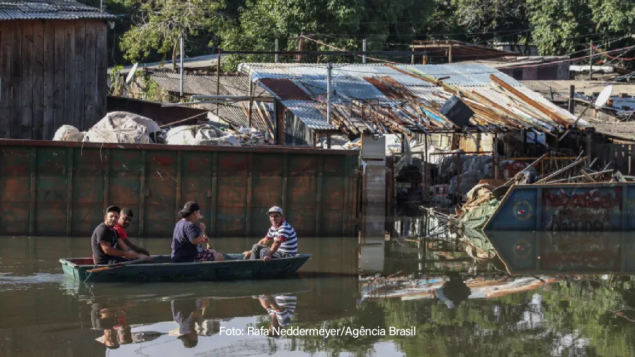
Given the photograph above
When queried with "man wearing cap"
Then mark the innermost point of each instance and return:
(189, 236)
(124, 221)
(107, 247)
(283, 236)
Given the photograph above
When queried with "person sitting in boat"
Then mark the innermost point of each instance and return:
(107, 247)
(281, 234)
(189, 236)
(124, 221)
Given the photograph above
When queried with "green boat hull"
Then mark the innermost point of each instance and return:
(161, 268)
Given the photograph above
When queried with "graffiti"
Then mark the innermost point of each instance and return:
(523, 210)
(581, 211)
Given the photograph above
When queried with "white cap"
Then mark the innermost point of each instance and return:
(275, 209)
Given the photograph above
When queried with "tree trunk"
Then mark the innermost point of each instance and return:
(174, 56)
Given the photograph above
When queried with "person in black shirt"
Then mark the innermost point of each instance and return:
(107, 247)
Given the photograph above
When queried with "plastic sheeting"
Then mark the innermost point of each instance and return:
(122, 128)
(69, 133)
(476, 218)
(205, 134)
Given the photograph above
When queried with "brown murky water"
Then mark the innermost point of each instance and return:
(450, 305)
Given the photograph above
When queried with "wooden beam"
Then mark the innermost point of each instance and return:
(49, 85)
(529, 101)
(90, 80)
(280, 123)
(264, 119)
(77, 75)
(25, 121)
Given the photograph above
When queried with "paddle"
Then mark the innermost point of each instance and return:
(118, 265)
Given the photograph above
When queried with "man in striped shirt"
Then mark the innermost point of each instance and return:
(285, 241)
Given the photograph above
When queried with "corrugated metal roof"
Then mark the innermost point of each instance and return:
(354, 83)
(204, 84)
(197, 62)
(307, 112)
(49, 10)
(235, 115)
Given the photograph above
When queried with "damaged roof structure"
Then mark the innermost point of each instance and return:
(227, 84)
(406, 99)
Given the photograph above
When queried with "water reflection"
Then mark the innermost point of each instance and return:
(565, 252)
(577, 299)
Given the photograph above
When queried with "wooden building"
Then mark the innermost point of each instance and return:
(53, 67)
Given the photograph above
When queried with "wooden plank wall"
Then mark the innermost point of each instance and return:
(53, 73)
(622, 156)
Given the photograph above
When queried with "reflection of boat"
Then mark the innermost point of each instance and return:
(565, 252)
(135, 292)
(161, 268)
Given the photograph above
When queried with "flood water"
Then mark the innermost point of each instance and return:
(570, 295)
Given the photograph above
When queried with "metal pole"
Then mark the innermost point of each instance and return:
(218, 79)
(494, 155)
(425, 163)
(251, 101)
(571, 99)
(181, 86)
(364, 49)
(329, 68)
(591, 60)
(276, 58)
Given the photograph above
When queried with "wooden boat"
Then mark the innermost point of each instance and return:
(161, 268)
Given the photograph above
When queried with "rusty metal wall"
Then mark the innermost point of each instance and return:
(61, 189)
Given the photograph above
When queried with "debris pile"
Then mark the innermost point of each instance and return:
(115, 127)
(482, 200)
(130, 128)
(205, 134)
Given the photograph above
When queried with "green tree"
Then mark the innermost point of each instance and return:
(158, 25)
(481, 21)
(341, 23)
(560, 25)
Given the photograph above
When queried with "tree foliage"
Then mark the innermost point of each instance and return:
(152, 27)
(341, 23)
(159, 24)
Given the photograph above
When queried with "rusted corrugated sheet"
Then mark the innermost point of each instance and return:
(386, 90)
(285, 89)
(62, 189)
(49, 10)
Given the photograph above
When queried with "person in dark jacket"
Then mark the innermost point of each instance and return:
(189, 236)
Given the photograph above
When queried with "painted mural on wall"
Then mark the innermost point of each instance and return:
(578, 209)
